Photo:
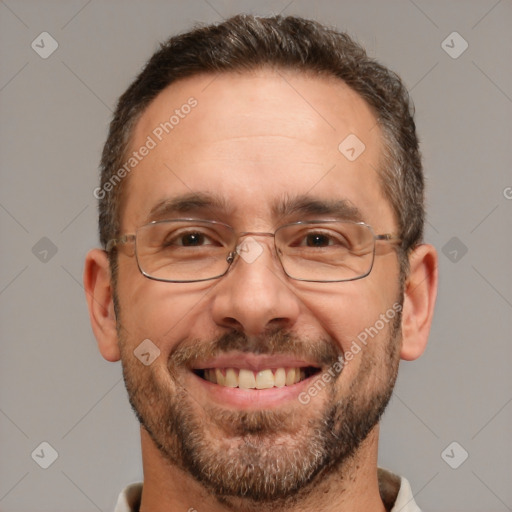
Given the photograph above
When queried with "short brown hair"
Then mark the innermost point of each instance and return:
(246, 42)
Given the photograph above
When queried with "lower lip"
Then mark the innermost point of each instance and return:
(253, 398)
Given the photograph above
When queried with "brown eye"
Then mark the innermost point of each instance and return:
(192, 239)
(317, 240)
(321, 239)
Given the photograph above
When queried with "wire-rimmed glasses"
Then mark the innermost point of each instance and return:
(191, 250)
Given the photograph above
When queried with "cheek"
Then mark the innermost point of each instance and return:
(165, 313)
(348, 310)
(359, 317)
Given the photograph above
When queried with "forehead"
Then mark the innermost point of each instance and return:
(254, 141)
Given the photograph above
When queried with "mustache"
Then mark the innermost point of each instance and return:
(320, 351)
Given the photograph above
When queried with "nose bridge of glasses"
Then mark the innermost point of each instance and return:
(246, 241)
(244, 234)
(247, 247)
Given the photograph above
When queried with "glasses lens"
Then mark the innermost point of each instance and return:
(183, 251)
(326, 251)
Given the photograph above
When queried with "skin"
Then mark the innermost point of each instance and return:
(255, 139)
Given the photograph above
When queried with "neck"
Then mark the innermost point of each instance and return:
(353, 487)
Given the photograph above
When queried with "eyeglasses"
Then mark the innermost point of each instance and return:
(190, 250)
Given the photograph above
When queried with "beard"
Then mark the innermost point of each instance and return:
(266, 456)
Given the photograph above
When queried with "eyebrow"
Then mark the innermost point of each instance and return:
(307, 206)
(193, 202)
(215, 206)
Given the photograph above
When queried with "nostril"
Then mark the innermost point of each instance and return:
(233, 323)
(279, 323)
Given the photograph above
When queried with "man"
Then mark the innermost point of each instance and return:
(261, 213)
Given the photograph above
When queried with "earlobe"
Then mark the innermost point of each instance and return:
(419, 300)
(98, 290)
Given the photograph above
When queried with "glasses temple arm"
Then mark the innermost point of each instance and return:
(119, 241)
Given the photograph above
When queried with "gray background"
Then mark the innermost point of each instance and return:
(54, 385)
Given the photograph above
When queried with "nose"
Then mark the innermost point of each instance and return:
(255, 296)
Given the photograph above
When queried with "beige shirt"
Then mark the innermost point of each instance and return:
(396, 494)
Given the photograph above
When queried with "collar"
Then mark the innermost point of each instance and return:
(395, 492)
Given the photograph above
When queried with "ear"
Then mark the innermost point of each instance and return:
(419, 300)
(98, 291)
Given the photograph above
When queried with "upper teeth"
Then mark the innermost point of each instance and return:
(248, 379)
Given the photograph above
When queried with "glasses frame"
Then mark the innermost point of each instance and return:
(231, 256)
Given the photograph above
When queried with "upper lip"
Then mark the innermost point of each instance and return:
(255, 362)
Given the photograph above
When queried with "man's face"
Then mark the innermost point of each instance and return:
(258, 151)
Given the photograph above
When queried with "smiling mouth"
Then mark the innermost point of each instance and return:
(243, 378)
